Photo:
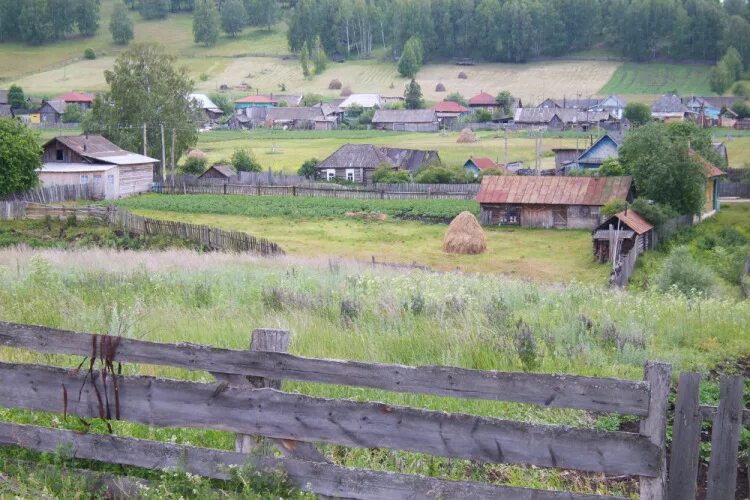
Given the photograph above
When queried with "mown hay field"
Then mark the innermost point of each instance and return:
(655, 79)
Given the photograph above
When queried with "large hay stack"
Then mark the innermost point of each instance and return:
(467, 136)
(465, 236)
(197, 153)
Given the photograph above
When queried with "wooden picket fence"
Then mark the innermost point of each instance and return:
(246, 399)
(56, 194)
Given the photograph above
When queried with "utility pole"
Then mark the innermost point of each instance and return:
(163, 158)
(506, 146)
(172, 152)
(145, 140)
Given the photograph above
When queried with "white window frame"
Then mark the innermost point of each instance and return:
(84, 179)
(330, 174)
(350, 174)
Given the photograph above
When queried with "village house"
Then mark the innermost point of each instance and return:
(312, 118)
(357, 162)
(83, 100)
(205, 104)
(564, 157)
(477, 164)
(51, 112)
(713, 176)
(607, 146)
(560, 118)
(224, 173)
(449, 112)
(109, 170)
(406, 120)
(550, 202)
(365, 101)
(624, 232)
(669, 108)
(484, 101)
(615, 105)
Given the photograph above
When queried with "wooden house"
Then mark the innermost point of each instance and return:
(477, 164)
(300, 118)
(559, 118)
(357, 162)
(607, 146)
(406, 120)
(51, 112)
(713, 175)
(669, 108)
(484, 101)
(559, 202)
(207, 106)
(449, 112)
(219, 172)
(564, 157)
(623, 232)
(111, 171)
(83, 100)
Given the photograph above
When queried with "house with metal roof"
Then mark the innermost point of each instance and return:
(82, 99)
(51, 112)
(669, 108)
(224, 173)
(622, 233)
(607, 146)
(550, 202)
(366, 101)
(204, 103)
(304, 118)
(408, 120)
(357, 162)
(484, 101)
(476, 164)
(111, 171)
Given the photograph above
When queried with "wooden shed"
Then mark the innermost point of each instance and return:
(539, 201)
(220, 172)
(628, 230)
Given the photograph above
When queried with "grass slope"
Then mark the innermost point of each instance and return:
(658, 79)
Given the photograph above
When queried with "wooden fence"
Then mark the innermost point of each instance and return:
(55, 194)
(246, 399)
(734, 189)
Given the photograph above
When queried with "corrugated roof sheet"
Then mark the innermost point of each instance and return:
(290, 114)
(225, 170)
(482, 99)
(98, 148)
(543, 190)
(634, 221)
(364, 100)
(370, 156)
(449, 107)
(256, 99)
(483, 163)
(57, 167)
(75, 97)
(669, 104)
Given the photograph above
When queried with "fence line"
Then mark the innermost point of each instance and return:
(56, 194)
(734, 189)
(294, 420)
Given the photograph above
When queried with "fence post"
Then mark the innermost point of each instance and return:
(654, 427)
(686, 437)
(725, 439)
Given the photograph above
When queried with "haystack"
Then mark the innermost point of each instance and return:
(346, 91)
(462, 76)
(467, 135)
(197, 153)
(439, 87)
(465, 236)
(335, 84)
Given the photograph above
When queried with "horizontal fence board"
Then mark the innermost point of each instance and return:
(322, 478)
(596, 394)
(267, 412)
(709, 412)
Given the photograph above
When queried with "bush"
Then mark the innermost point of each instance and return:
(491, 171)
(482, 115)
(637, 113)
(244, 160)
(683, 273)
(742, 109)
(611, 167)
(194, 166)
(308, 168)
(72, 113)
(457, 98)
(654, 213)
(613, 207)
(385, 174)
(442, 174)
(89, 53)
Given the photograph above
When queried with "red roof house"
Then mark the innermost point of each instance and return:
(449, 107)
(75, 97)
(483, 100)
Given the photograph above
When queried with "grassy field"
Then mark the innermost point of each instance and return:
(656, 79)
(542, 255)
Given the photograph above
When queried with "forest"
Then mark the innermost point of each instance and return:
(491, 30)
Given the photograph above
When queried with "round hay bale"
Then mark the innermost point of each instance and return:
(465, 236)
(439, 87)
(462, 76)
(335, 84)
(466, 136)
(197, 153)
(346, 91)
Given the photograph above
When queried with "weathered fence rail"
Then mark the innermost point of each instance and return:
(254, 406)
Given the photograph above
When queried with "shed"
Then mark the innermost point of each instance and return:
(51, 112)
(221, 172)
(409, 120)
(476, 164)
(628, 230)
(554, 201)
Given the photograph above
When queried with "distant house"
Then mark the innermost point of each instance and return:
(449, 112)
(477, 164)
(220, 172)
(484, 101)
(83, 100)
(607, 146)
(204, 103)
(551, 202)
(409, 120)
(615, 105)
(366, 101)
(312, 118)
(713, 174)
(560, 118)
(628, 229)
(51, 112)
(357, 162)
(564, 157)
(111, 171)
(254, 101)
(669, 108)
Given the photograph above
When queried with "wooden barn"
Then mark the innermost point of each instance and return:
(628, 230)
(220, 172)
(559, 202)
(91, 159)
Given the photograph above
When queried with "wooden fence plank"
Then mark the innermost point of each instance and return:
(686, 437)
(562, 391)
(654, 427)
(725, 439)
(322, 478)
(168, 403)
(709, 413)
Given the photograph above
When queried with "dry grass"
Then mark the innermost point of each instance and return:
(465, 236)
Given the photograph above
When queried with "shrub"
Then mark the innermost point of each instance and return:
(335, 84)
(683, 273)
(613, 207)
(654, 213)
(194, 166)
(308, 168)
(611, 167)
(244, 160)
(526, 347)
(742, 109)
(89, 53)
(482, 115)
(491, 171)
(457, 98)
(442, 174)
(385, 174)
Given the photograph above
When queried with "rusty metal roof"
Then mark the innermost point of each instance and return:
(634, 221)
(543, 190)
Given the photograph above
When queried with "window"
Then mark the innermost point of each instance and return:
(60, 155)
(84, 179)
(330, 174)
(350, 174)
(97, 179)
(111, 179)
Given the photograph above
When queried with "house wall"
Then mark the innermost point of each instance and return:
(135, 179)
(69, 156)
(104, 182)
(547, 216)
(361, 175)
(712, 195)
(407, 127)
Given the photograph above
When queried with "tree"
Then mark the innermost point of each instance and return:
(505, 100)
(413, 96)
(637, 113)
(154, 9)
(320, 60)
(34, 22)
(411, 58)
(742, 109)
(442, 174)
(120, 25)
(206, 23)
(72, 113)
(263, 12)
(664, 168)
(20, 157)
(457, 98)
(87, 17)
(733, 60)
(243, 160)
(145, 88)
(304, 55)
(223, 102)
(194, 166)
(233, 17)
(737, 35)
(611, 168)
(16, 97)
(308, 169)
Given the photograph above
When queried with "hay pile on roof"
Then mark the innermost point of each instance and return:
(465, 236)
(346, 91)
(462, 76)
(197, 153)
(439, 87)
(467, 135)
(335, 84)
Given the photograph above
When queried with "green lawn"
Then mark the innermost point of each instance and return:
(657, 79)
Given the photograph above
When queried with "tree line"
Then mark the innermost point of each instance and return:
(41, 21)
(518, 30)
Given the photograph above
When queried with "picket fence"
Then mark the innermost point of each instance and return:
(55, 194)
(246, 399)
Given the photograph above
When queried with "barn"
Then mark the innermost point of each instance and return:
(111, 171)
(628, 230)
(540, 201)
